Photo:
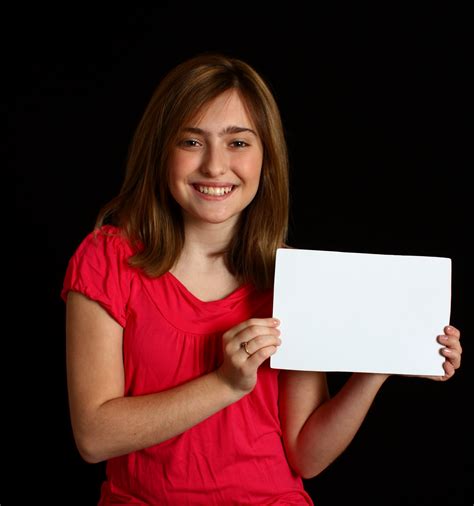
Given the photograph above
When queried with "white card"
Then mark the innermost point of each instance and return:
(360, 312)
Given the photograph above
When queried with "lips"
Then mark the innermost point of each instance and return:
(214, 189)
(218, 191)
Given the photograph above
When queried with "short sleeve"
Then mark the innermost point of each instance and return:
(99, 270)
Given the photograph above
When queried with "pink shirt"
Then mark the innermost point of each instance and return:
(234, 457)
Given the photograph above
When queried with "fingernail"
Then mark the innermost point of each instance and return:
(443, 338)
(276, 321)
(447, 350)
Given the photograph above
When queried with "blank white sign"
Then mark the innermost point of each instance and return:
(360, 312)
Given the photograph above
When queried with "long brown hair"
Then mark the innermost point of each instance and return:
(145, 210)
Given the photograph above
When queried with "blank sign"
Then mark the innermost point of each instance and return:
(360, 312)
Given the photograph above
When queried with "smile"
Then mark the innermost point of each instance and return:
(213, 191)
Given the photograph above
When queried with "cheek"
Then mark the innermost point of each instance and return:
(176, 165)
(180, 165)
(253, 169)
(174, 169)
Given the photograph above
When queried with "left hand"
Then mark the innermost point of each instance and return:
(452, 352)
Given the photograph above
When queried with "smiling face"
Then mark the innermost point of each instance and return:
(215, 165)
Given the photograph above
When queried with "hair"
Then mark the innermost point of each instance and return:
(145, 210)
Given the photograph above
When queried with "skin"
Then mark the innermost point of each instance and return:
(316, 428)
(213, 152)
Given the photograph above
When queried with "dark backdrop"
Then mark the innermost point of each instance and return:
(375, 108)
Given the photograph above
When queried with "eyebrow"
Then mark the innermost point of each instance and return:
(232, 129)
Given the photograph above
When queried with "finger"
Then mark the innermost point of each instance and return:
(452, 331)
(257, 359)
(450, 342)
(251, 333)
(449, 370)
(452, 356)
(260, 342)
(249, 344)
(263, 322)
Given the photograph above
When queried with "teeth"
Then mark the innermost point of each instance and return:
(213, 190)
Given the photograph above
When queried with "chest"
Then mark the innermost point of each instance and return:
(208, 286)
(171, 336)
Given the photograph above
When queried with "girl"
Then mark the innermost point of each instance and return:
(169, 304)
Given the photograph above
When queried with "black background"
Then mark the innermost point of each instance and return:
(375, 106)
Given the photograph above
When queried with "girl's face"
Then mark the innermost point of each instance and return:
(214, 167)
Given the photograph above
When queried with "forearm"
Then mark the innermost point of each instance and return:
(333, 425)
(126, 424)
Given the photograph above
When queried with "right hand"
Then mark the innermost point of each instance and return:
(239, 368)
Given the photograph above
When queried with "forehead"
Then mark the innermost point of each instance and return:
(227, 108)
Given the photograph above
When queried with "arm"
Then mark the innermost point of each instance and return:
(316, 429)
(105, 423)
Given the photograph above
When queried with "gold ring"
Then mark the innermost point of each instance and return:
(244, 346)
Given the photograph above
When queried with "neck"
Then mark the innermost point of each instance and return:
(203, 240)
(207, 239)
(199, 268)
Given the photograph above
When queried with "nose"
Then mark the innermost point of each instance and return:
(214, 162)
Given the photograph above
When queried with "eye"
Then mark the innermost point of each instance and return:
(239, 144)
(189, 143)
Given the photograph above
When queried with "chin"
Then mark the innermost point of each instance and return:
(216, 219)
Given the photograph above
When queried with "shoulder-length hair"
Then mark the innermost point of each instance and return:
(145, 210)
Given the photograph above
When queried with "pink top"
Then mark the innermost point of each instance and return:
(234, 457)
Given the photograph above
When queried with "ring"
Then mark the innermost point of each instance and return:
(243, 345)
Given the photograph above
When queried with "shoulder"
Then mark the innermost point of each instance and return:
(106, 250)
(107, 240)
(100, 270)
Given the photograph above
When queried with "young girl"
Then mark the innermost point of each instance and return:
(169, 304)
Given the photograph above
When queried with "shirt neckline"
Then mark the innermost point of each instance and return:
(237, 293)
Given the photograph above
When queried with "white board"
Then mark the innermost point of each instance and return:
(360, 312)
